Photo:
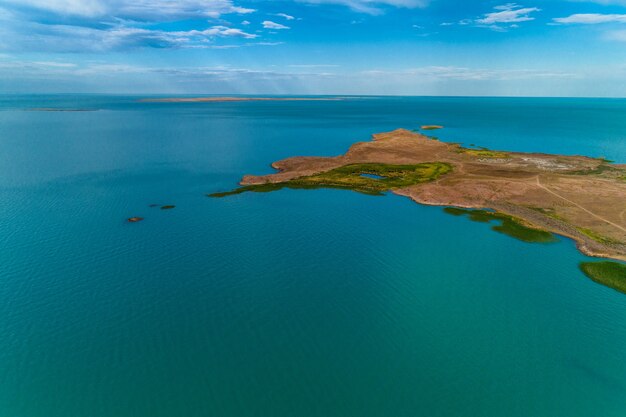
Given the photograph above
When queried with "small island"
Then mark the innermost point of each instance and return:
(579, 197)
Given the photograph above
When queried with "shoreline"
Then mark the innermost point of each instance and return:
(532, 219)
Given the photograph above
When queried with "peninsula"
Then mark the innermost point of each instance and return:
(580, 197)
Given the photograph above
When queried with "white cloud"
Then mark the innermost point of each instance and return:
(221, 31)
(468, 74)
(508, 13)
(284, 15)
(55, 64)
(268, 24)
(603, 2)
(313, 66)
(183, 74)
(373, 6)
(88, 8)
(151, 10)
(241, 10)
(101, 25)
(591, 18)
(66, 38)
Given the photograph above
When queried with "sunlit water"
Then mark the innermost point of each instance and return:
(293, 303)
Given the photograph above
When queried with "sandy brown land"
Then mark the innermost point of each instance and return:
(224, 99)
(576, 196)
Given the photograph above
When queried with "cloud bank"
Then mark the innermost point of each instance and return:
(591, 18)
(373, 6)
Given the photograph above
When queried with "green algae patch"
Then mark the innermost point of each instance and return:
(608, 273)
(508, 225)
(357, 177)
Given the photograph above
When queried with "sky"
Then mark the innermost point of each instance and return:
(357, 47)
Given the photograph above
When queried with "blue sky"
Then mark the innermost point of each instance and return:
(401, 47)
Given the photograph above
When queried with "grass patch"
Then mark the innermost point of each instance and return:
(611, 274)
(600, 169)
(350, 177)
(549, 212)
(484, 153)
(508, 225)
(598, 237)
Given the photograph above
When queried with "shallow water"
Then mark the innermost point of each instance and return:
(373, 176)
(291, 303)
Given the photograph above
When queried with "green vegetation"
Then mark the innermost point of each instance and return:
(509, 225)
(549, 212)
(484, 153)
(350, 177)
(597, 237)
(611, 274)
(600, 169)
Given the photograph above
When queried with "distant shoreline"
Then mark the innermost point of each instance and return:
(227, 99)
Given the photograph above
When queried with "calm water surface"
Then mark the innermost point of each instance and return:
(294, 303)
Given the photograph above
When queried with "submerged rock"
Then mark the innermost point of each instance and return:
(167, 207)
(134, 219)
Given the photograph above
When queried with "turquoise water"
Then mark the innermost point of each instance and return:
(293, 303)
